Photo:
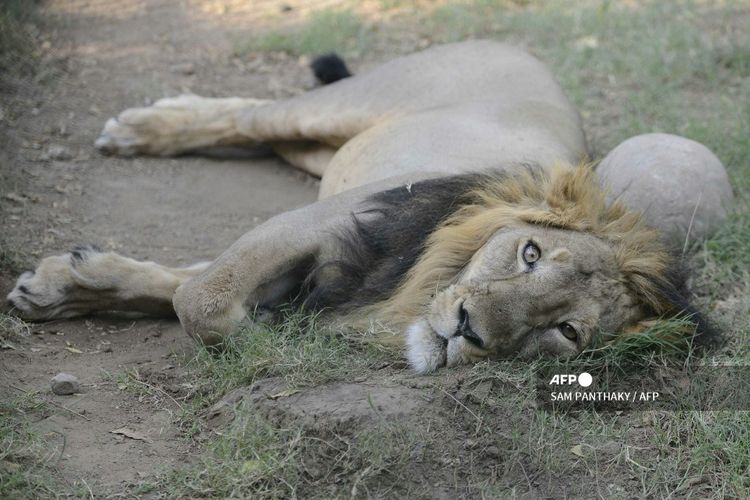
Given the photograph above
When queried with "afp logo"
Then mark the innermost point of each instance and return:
(584, 379)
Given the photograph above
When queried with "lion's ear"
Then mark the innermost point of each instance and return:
(676, 297)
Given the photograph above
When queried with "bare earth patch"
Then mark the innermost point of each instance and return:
(114, 55)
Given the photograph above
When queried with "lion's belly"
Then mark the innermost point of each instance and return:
(442, 142)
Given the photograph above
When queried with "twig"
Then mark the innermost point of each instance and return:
(359, 479)
(158, 389)
(523, 469)
(64, 444)
(630, 460)
(690, 226)
(461, 404)
(91, 493)
(58, 405)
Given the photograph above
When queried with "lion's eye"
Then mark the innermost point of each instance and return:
(568, 331)
(531, 253)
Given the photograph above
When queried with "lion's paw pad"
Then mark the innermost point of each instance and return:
(53, 290)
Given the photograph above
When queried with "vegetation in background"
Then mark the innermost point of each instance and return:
(18, 40)
(326, 31)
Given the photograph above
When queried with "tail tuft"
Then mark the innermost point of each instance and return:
(329, 68)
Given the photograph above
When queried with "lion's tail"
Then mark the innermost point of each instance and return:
(329, 68)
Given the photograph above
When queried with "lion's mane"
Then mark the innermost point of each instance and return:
(420, 237)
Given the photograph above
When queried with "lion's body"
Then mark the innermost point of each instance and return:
(404, 153)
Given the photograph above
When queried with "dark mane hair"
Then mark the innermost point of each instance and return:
(375, 255)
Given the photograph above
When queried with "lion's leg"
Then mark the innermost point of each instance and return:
(175, 125)
(310, 156)
(270, 262)
(88, 280)
(188, 122)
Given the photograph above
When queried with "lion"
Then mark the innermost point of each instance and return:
(457, 204)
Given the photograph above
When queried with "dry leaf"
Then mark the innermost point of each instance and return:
(130, 433)
(284, 394)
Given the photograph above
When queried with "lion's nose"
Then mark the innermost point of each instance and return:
(464, 328)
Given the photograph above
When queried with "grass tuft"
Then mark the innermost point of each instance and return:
(12, 260)
(300, 349)
(27, 460)
(325, 31)
(274, 461)
(663, 342)
(12, 331)
(17, 33)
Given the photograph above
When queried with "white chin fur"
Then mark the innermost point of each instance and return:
(425, 350)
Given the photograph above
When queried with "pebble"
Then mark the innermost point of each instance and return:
(58, 153)
(64, 384)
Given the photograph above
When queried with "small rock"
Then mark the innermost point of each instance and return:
(64, 384)
(183, 68)
(59, 153)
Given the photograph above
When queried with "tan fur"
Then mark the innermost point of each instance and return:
(564, 198)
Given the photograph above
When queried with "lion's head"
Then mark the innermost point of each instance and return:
(535, 263)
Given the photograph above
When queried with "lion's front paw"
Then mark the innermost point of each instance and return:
(55, 289)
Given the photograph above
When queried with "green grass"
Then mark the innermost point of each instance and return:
(268, 460)
(297, 349)
(28, 460)
(13, 331)
(12, 260)
(325, 31)
(17, 34)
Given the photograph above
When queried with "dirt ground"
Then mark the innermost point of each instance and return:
(112, 55)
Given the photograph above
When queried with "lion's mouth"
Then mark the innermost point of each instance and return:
(428, 350)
